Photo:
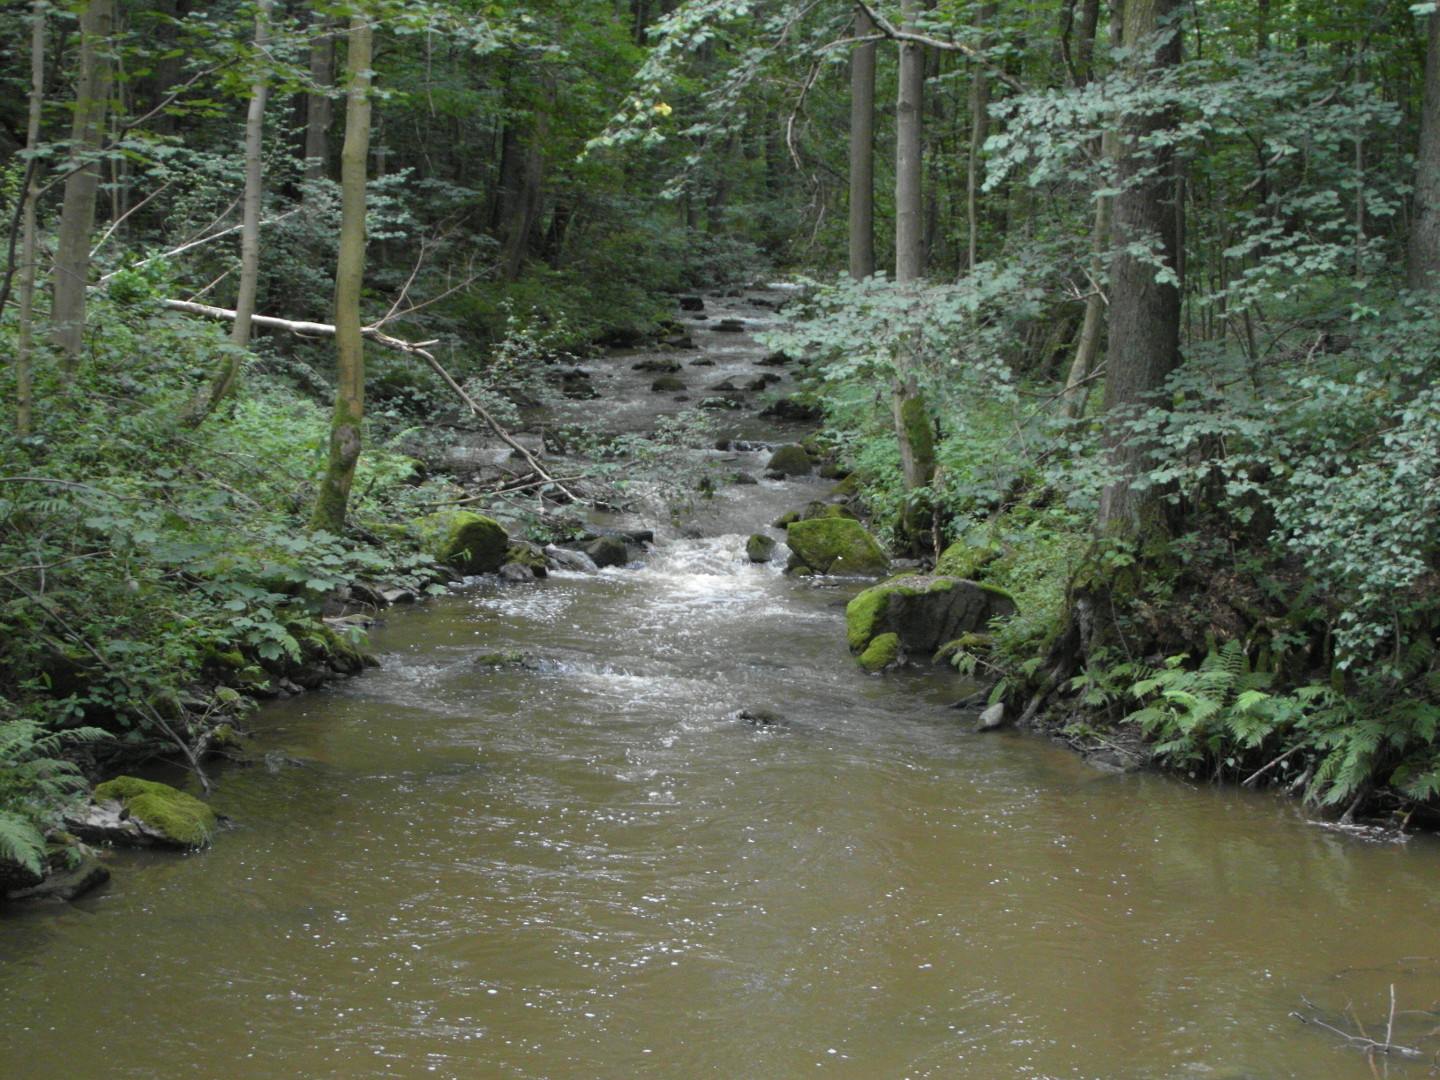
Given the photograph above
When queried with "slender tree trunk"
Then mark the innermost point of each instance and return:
(334, 495)
(1423, 257)
(862, 152)
(254, 192)
(1072, 401)
(227, 370)
(979, 132)
(913, 432)
(1144, 308)
(909, 209)
(318, 111)
(25, 331)
(77, 213)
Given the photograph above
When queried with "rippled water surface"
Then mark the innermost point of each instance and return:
(584, 868)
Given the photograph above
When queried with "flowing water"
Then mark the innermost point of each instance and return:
(583, 866)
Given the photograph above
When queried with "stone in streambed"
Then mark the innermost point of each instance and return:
(558, 558)
(927, 612)
(658, 365)
(788, 460)
(883, 652)
(143, 813)
(470, 543)
(760, 548)
(992, 718)
(608, 551)
(761, 718)
(834, 545)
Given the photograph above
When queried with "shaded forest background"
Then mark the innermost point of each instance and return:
(1129, 309)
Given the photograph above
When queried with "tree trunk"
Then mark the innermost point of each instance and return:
(318, 111)
(862, 152)
(516, 201)
(1072, 401)
(909, 224)
(77, 213)
(1144, 300)
(913, 431)
(979, 132)
(254, 191)
(227, 370)
(1423, 257)
(334, 495)
(25, 330)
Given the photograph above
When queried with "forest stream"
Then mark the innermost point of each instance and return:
(584, 866)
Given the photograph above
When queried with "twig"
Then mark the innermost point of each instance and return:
(196, 243)
(1370, 1046)
(1266, 768)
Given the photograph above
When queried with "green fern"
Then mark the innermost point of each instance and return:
(1209, 712)
(21, 842)
(34, 780)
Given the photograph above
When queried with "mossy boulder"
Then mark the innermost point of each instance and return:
(834, 545)
(966, 557)
(882, 652)
(667, 384)
(759, 548)
(608, 551)
(470, 543)
(657, 366)
(153, 813)
(925, 612)
(789, 460)
(342, 650)
(528, 555)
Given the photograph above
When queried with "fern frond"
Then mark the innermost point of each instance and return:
(21, 842)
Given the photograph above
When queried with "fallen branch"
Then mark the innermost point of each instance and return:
(384, 340)
(1363, 1042)
(1250, 780)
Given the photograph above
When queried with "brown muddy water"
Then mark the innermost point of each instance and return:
(583, 868)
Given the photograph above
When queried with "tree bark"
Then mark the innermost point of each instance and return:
(227, 370)
(862, 152)
(318, 111)
(1144, 299)
(254, 192)
(979, 132)
(913, 432)
(71, 267)
(334, 495)
(1423, 257)
(909, 224)
(25, 330)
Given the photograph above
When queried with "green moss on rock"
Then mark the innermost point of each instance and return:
(863, 614)
(182, 818)
(926, 611)
(470, 543)
(759, 548)
(789, 460)
(881, 653)
(966, 557)
(834, 545)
